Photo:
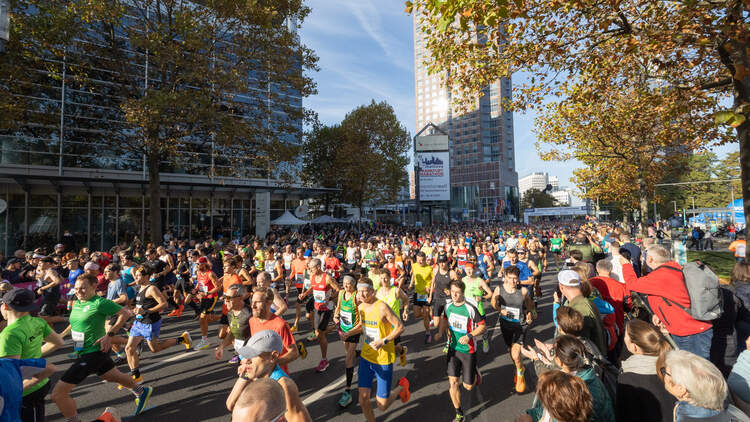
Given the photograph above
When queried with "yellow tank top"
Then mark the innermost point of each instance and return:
(391, 299)
(375, 329)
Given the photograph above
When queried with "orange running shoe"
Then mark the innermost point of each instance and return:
(520, 382)
(404, 394)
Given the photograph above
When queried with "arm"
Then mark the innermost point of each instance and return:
(239, 385)
(158, 296)
(39, 376)
(291, 354)
(52, 342)
(442, 327)
(279, 303)
(405, 300)
(486, 288)
(393, 319)
(295, 409)
(217, 285)
(530, 310)
(332, 283)
(495, 301)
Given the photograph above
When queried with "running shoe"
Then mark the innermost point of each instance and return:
(312, 337)
(110, 414)
(485, 346)
(322, 366)
(187, 340)
(302, 350)
(345, 400)
(458, 418)
(294, 329)
(177, 312)
(520, 382)
(203, 344)
(142, 400)
(405, 394)
(138, 380)
(235, 360)
(403, 355)
(446, 349)
(427, 339)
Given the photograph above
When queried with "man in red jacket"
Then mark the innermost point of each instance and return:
(614, 293)
(665, 287)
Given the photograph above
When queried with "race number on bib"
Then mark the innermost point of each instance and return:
(78, 340)
(513, 313)
(371, 334)
(422, 297)
(319, 296)
(306, 284)
(458, 323)
(347, 319)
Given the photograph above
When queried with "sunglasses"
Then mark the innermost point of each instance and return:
(663, 371)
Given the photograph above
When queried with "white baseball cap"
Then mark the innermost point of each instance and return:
(569, 278)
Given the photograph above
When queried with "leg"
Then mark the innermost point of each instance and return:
(454, 392)
(131, 351)
(323, 341)
(156, 345)
(204, 325)
(61, 396)
(364, 402)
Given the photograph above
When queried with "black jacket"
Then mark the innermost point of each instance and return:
(642, 398)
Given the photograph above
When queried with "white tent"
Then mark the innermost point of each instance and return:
(326, 219)
(354, 219)
(288, 219)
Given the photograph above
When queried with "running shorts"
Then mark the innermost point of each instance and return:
(438, 306)
(462, 365)
(207, 305)
(383, 374)
(513, 332)
(310, 306)
(91, 363)
(224, 320)
(149, 332)
(321, 319)
(352, 339)
(419, 300)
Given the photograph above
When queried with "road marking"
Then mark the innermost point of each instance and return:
(320, 393)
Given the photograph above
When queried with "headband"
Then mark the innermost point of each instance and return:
(363, 285)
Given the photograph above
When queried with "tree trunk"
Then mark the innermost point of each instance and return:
(643, 205)
(743, 136)
(154, 193)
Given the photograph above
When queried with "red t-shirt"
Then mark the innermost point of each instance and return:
(205, 284)
(333, 264)
(321, 292)
(275, 323)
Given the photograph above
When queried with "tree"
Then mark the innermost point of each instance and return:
(534, 198)
(214, 88)
(320, 165)
(372, 157)
(627, 140)
(697, 47)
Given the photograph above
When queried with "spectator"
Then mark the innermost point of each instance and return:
(697, 384)
(570, 286)
(570, 321)
(614, 293)
(562, 398)
(635, 253)
(12, 271)
(739, 247)
(260, 401)
(665, 287)
(724, 350)
(708, 241)
(740, 279)
(639, 382)
(739, 379)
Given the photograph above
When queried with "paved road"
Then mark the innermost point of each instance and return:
(192, 386)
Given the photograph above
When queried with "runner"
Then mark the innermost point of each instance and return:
(48, 286)
(207, 292)
(264, 319)
(477, 290)
(516, 314)
(321, 286)
(347, 317)
(238, 316)
(381, 326)
(260, 359)
(279, 305)
(298, 275)
(274, 268)
(465, 323)
(149, 301)
(421, 282)
(556, 245)
(27, 337)
(116, 292)
(91, 343)
(440, 293)
(394, 297)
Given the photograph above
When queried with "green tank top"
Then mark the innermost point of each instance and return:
(474, 291)
(348, 311)
(391, 299)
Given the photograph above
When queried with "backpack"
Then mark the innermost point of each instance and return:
(706, 302)
(607, 373)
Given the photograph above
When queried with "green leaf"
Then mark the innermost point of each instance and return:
(723, 117)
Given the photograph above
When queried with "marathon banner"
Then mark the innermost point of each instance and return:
(434, 176)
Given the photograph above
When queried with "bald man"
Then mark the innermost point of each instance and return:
(262, 400)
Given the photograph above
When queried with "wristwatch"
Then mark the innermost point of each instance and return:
(385, 341)
(469, 336)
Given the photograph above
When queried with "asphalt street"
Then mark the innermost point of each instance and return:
(193, 385)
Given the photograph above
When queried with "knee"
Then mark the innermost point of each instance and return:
(130, 348)
(364, 398)
(57, 394)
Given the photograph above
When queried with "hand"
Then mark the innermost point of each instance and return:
(624, 260)
(405, 315)
(377, 344)
(219, 353)
(556, 297)
(546, 349)
(244, 366)
(336, 319)
(529, 319)
(105, 343)
(39, 291)
(464, 340)
(529, 353)
(504, 312)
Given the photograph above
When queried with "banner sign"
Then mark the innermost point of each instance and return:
(434, 176)
(432, 143)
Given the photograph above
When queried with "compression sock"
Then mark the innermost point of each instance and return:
(173, 303)
(137, 391)
(136, 372)
(349, 376)
(459, 411)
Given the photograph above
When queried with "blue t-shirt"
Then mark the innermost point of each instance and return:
(116, 288)
(278, 373)
(525, 270)
(12, 372)
(73, 275)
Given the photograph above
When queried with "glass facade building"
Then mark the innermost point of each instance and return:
(59, 171)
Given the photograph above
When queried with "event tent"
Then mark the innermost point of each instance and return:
(288, 219)
(326, 219)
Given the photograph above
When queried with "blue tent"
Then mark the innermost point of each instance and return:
(739, 214)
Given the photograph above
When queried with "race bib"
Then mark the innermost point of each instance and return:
(78, 340)
(307, 283)
(204, 288)
(513, 313)
(422, 297)
(351, 261)
(400, 264)
(319, 296)
(371, 334)
(299, 278)
(458, 323)
(347, 319)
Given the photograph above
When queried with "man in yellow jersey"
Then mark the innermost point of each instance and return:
(380, 327)
(394, 297)
(421, 282)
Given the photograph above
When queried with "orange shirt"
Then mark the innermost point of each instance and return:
(275, 323)
(298, 268)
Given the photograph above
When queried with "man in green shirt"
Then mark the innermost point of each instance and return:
(570, 286)
(28, 337)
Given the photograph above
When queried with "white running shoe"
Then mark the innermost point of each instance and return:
(203, 344)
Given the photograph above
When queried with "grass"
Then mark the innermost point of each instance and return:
(721, 262)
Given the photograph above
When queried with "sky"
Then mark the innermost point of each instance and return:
(366, 51)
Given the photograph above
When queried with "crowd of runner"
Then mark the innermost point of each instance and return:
(640, 334)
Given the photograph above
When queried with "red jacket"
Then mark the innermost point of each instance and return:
(665, 283)
(614, 293)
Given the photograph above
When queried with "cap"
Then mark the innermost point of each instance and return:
(569, 278)
(13, 261)
(442, 258)
(59, 245)
(203, 260)
(37, 255)
(308, 253)
(93, 266)
(261, 342)
(20, 300)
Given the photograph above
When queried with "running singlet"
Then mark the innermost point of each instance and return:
(144, 302)
(374, 329)
(278, 374)
(321, 292)
(514, 304)
(298, 272)
(474, 291)
(461, 257)
(87, 323)
(422, 280)
(462, 320)
(391, 299)
(393, 272)
(555, 244)
(348, 311)
(270, 268)
(205, 284)
(239, 325)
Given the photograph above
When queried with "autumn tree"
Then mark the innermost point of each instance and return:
(628, 141)
(320, 165)
(697, 47)
(534, 198)
(211, 88)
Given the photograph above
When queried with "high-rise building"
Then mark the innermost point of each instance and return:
(484, 182)
(562, 197)
(538, 181)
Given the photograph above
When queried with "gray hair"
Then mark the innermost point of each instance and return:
(659, 254)
(604, 265)
(349, 279)
(702, 380)
(315, 262)
(265, 276)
